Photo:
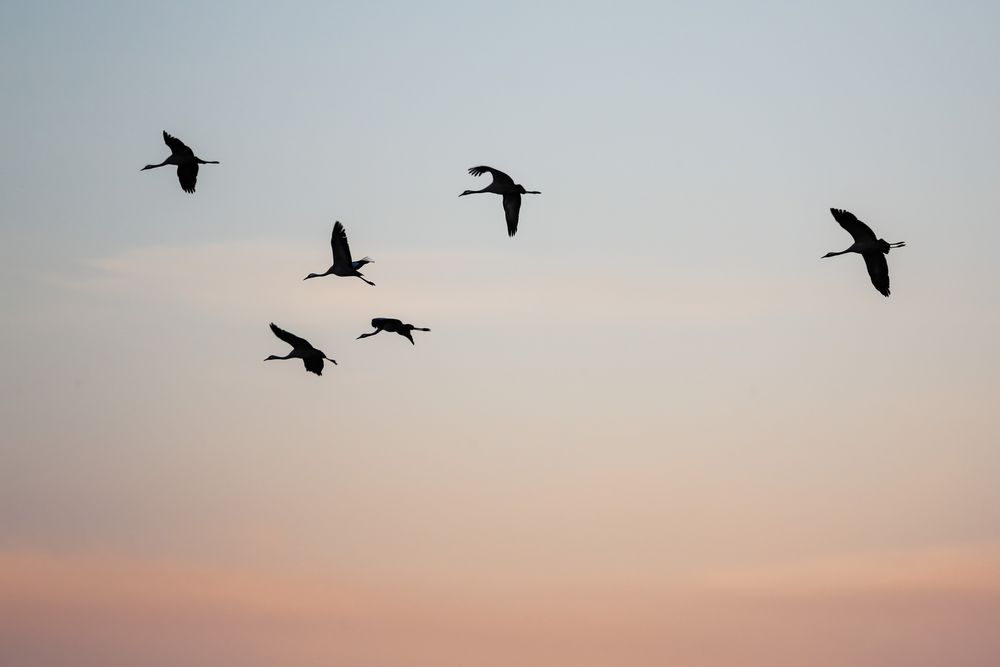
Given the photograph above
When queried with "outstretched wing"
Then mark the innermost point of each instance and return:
(291, 339)
(499, 177)
(313, 363)
(177, 146)
(512, 209)
(187, 174)
(387, 323)
(878, 270)
(859, 230)
(341, 250)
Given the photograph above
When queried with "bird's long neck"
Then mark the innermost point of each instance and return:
(287, 356)
(476, 192)
(154, 166)
(834, 254)
(319, 275)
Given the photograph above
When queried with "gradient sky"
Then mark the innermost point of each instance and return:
(654, 428)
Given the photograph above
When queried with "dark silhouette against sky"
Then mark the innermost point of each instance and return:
(185, 159)
(343, 265)
(311, 357)
(503, 185)
(392, 325)
(868, 246)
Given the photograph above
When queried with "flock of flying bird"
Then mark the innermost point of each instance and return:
(866, 244)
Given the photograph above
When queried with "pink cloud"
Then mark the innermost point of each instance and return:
(931, 608)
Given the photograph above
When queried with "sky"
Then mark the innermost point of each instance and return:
(652, 428)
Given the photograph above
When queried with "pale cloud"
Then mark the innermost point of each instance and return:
(920, 608)
(239, 278)
(966, 570)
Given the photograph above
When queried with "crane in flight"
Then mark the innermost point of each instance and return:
(185, 160)
(343, 265)
(503, 185)
(301, 349)
(394, 326)
(872, 249)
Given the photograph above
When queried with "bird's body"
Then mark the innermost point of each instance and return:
(184, 159)
(343, 265)
(392, 325)
(311, 358)
(503, 185)
(872, 249)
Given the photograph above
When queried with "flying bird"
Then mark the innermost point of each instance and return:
(503, 185)
(342, 263)
(392, 325)
(185, 159)
(865, 244)
(301, 349)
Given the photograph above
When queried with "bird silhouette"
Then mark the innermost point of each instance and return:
(393, 325)
(185, 159)
(343, 265)
(503, 185)
(301, 349)
(868, 246)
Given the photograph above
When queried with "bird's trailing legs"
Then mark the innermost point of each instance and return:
(409, 337)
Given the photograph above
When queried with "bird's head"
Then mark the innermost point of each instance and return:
(148, 166)
(272, 357)
(829, 254)
(311, 275)
(467, 192)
